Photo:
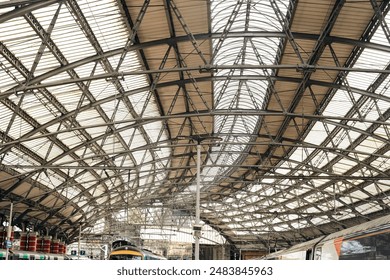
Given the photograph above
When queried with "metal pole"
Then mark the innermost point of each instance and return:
(9, 229)
(79, 244)
(197, 209)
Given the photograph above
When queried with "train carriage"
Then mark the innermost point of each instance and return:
(301, 251)
(368, 241)
(124, 250)
(133, 253)
(29, 255)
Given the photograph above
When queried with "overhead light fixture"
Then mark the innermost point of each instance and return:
(208, 68)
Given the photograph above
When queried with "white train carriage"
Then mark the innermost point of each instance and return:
(29, 255)
(368, 241)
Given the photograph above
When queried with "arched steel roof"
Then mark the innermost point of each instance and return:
(103, 103)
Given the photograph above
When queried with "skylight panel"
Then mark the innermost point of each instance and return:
(45, 14)
(370, 111)
(112, 144)
(106, 22)
(76, 49)
(383, 89)
(370, 145)
(281, 228)
(101, 89)
(36, 105)
(9, 30)
(300, 154)
(18, 128)
(15, 157)
(150, 109)
(9, 78)
(358, 156)
(263, 15)
(131, 63)
(319, 220)
(359, 195)
(379, 37)
(153, 129)
(373, 189)
(24, 48)
(46, 179)
(138, 101)
(283, 170)
(322, 159)
(382, 132)
(57, 78)
(372, 59)
(366, 172)
(363, 126)
(384, 185)
(6, 115)
(382, 163)
(69, 96)
(40, 146)
(46, 63)
(368, 208)
(126, 134)
(88, 117)
(87, 180)
(56, 180)
(99, 129)
(339, 105)
(134, 82)
(88, 69)
(104, 200)
(341, 139)
(138, 141)
(69, 161)
(118, 160)
(301, 224)
(231, 51)
(84, 152)
(114, 109)
(343, 166)
(360, 81)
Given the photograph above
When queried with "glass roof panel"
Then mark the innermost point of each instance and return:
(18, 127)
(339, 105)
(382, 163)
(66, 24)
(39, 146)
(28, 45)
(32, 104)
(106, 22)
(370, 145)
(8, 75)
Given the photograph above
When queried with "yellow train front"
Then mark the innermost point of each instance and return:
(128, 252)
